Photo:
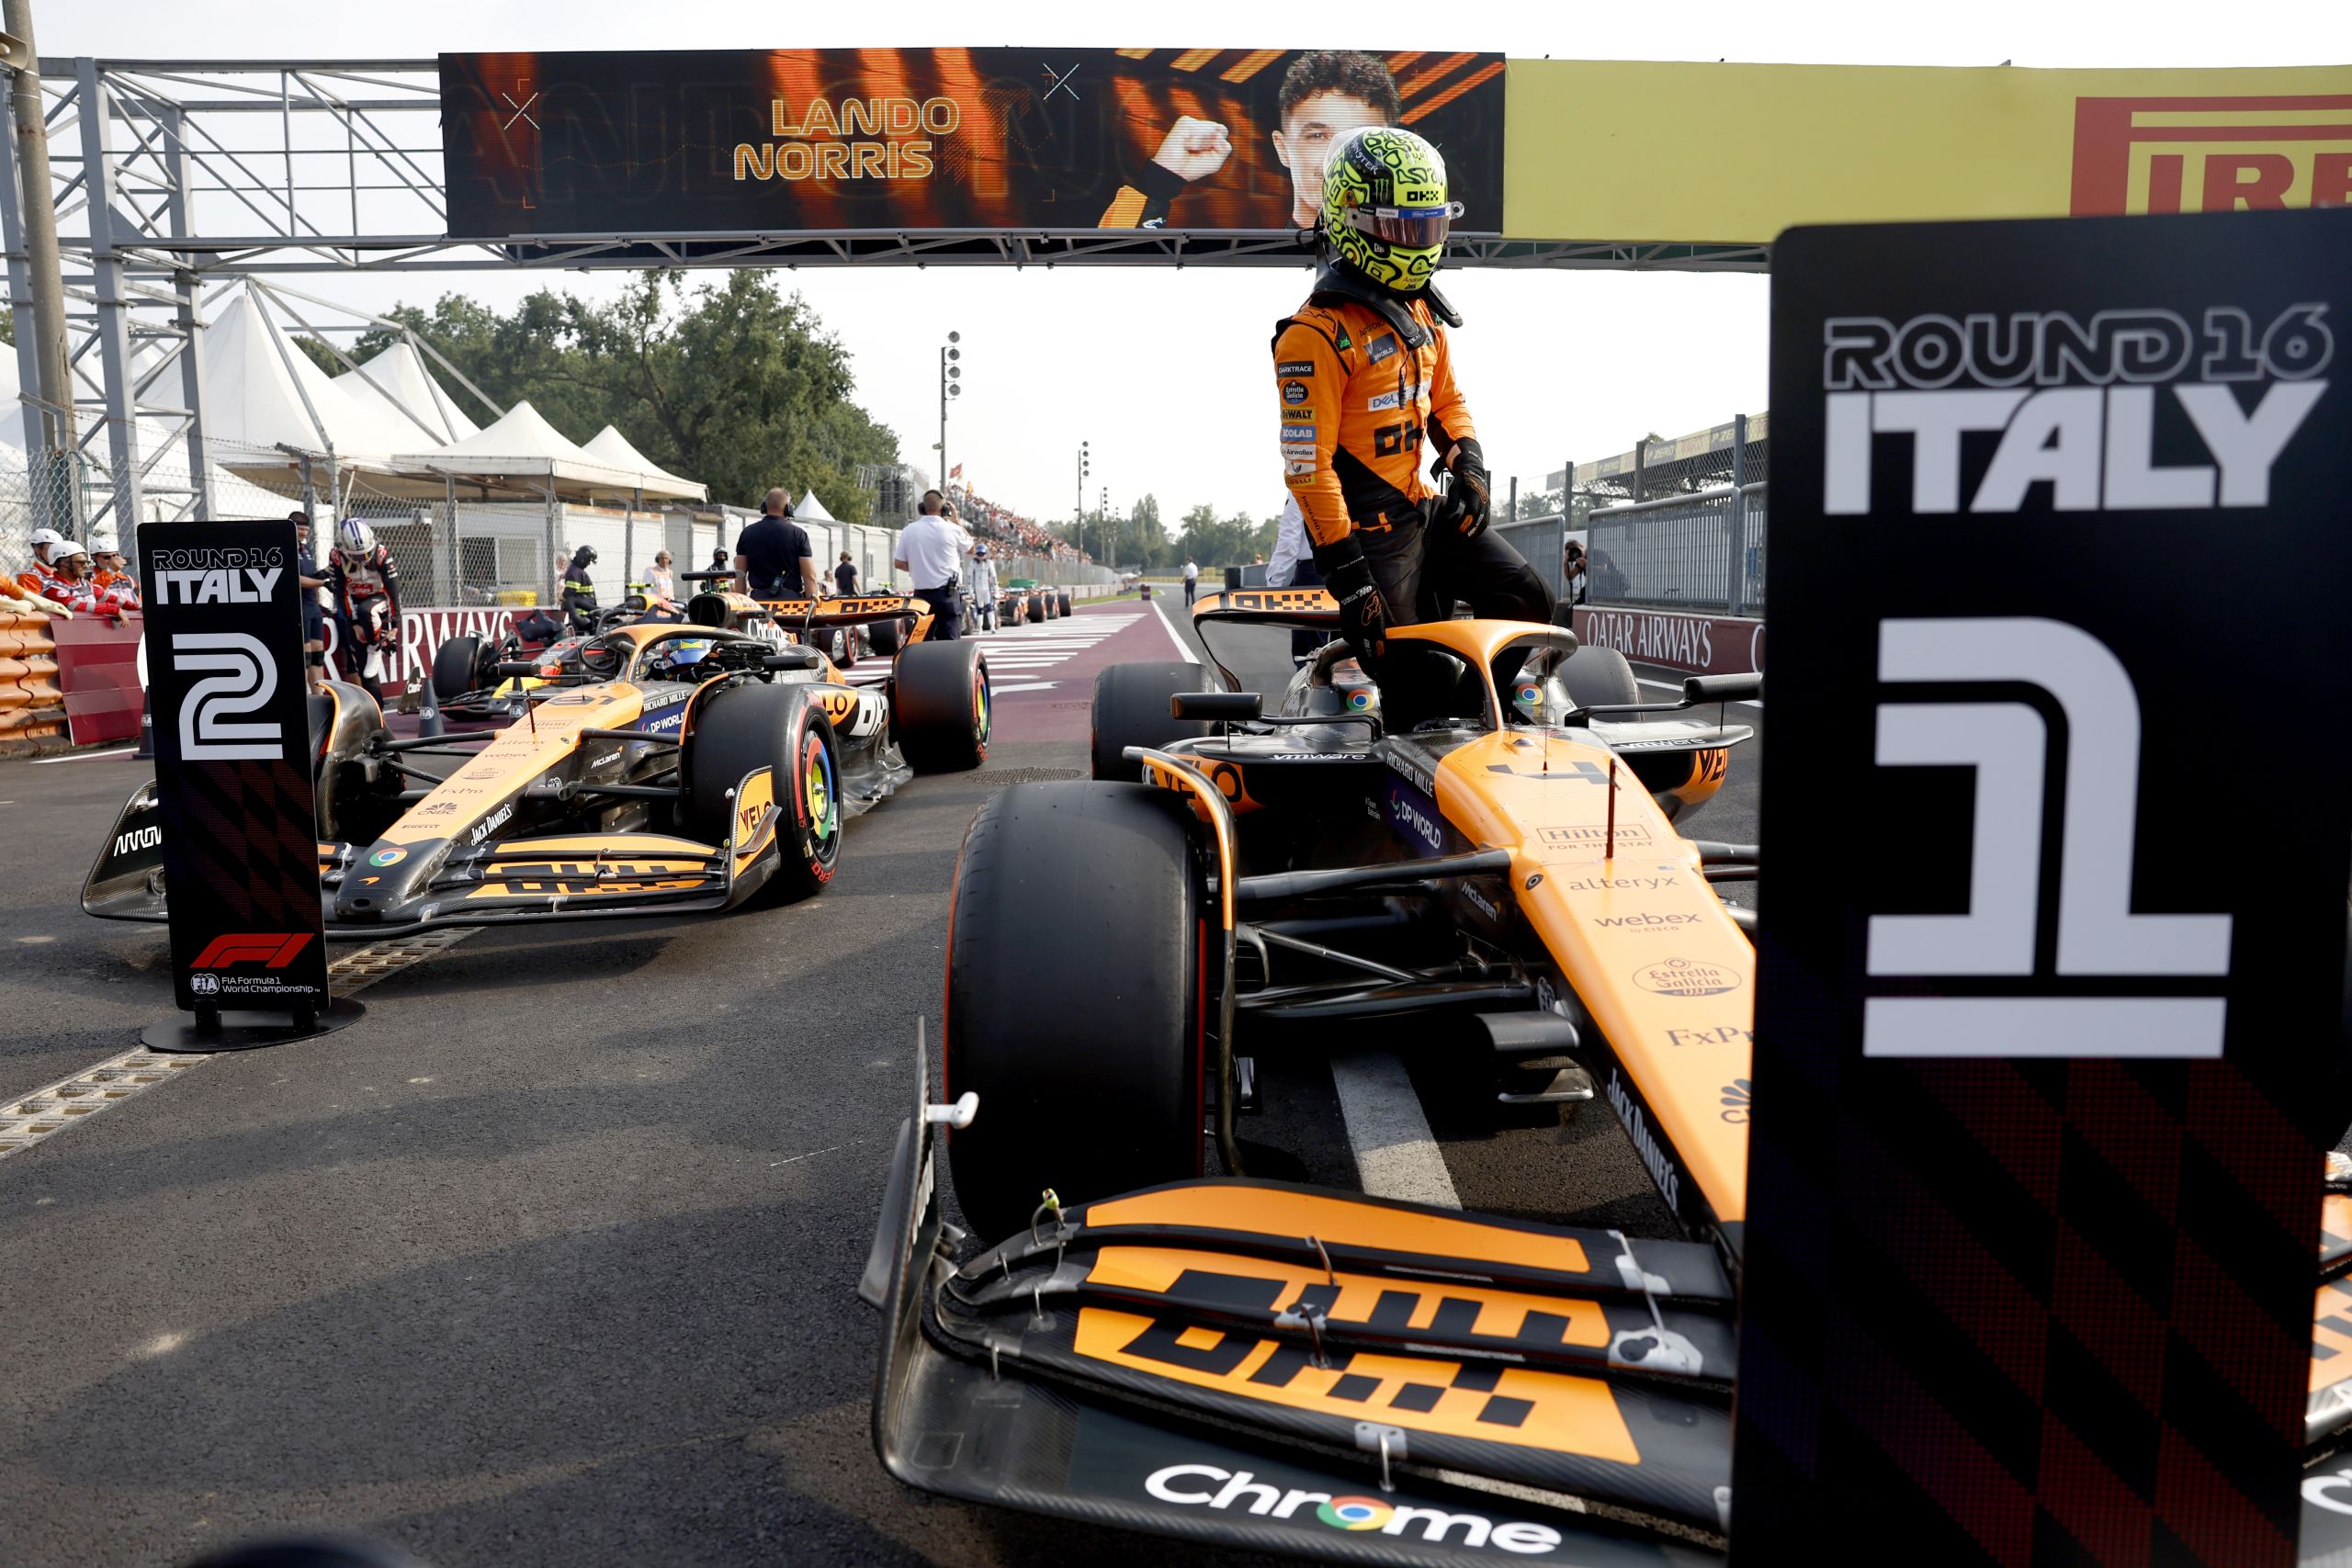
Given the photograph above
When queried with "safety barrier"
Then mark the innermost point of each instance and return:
(1699, 551)
(32, 705)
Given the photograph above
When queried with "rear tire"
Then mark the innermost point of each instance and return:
(1600, 677)
(941, 706)
(453, 666)
(888, 636)
(1130, 709)
(1100, 1093)
(1064, 597)
(756, 726)
(1034, 611)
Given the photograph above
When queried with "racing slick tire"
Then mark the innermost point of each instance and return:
(455, 668)
(1130, 709)
(1100, 1093)
(1034, 611)
(888, 636)
(1600, 677)
(941, 706)
(1062, 601)
(757, 725)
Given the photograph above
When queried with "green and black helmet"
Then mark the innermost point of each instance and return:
(1385, 208)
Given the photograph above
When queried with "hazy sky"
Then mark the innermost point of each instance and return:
(1166, 371)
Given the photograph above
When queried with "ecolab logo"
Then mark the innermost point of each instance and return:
(1212, 1486)
(2075, 404)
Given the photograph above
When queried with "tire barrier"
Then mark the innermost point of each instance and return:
(32, 707)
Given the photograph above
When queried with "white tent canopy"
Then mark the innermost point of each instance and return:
(396, 385)
(522, 446)
(609, 445)
(812, 510)
(260, 391)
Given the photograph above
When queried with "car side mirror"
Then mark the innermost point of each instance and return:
(1741, 688)
(1227, 705)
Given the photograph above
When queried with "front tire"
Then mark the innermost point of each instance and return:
(753, 726)
(1100, 1093)
(454, 664)
(941, 706)
(1130, 709)
(1037, 610)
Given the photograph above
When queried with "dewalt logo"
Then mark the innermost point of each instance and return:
(2141, 155)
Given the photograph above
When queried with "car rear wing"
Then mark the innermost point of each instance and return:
(1307, 607)
(866, 609)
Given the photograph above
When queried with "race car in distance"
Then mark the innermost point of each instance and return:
(1475, 860)
(656, 769)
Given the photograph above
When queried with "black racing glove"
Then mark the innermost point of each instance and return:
(1471, 489)
(1363, 614)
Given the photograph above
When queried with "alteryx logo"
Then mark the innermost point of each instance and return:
(2079, 406)
(1214, 1486)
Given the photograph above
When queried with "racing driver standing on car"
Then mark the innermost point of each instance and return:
(1364, 374)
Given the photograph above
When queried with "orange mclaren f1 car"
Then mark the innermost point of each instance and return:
(1479, 855)
(650, 769)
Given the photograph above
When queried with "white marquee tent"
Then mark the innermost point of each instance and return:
(396, 385)
(609, 445)
(261, 391)
(522, 449)
(812, 510)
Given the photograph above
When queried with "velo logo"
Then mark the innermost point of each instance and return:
(273, 949)
(246, 678)
(2007, 744)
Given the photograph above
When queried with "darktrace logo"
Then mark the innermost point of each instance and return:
(1214, 1486)
(2075, 402)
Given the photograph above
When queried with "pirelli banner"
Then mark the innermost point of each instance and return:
(232, 766)
(721, 142)
(2050, 1038)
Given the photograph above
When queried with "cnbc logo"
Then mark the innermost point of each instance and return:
(2211, 154)
(1239, 1491)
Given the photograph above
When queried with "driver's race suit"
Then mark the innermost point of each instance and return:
(367, 600)
(1358, 387)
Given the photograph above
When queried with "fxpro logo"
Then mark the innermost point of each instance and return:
(2075, 404)
(1213, 1486)
(2101, 945)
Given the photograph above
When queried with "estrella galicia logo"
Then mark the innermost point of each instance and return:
(2009, 746)
(2076, 405)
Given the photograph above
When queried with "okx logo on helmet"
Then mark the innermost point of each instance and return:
(1385, 208)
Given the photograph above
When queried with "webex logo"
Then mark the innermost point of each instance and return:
(2076, 404)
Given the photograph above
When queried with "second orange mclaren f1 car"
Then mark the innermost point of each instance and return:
(653, 768)
(1477, 857)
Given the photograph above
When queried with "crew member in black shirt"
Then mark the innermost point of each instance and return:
(845, 577)
(773, 555)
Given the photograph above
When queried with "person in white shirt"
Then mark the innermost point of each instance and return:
(1294, 567)
(930, 551)
(1192, 581)
(662, 581)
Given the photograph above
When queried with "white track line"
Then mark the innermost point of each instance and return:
(1168, 627)
(1395, 1154)
(48, 1111)
(85, 756)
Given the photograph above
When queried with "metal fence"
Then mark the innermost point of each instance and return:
(1703, 551)
(452, 549)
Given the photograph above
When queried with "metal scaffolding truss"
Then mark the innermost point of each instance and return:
(168, 175)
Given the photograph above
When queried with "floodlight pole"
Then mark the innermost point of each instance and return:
(38, 216)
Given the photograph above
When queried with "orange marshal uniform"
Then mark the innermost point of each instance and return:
(1356, 401)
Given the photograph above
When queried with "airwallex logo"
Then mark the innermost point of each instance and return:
(2077, 404)
(1215, 1487)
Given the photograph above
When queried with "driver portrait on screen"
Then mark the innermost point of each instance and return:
(1324, 94)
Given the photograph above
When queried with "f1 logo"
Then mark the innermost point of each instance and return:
(247, 679)
(2007, 744)
(275, 949)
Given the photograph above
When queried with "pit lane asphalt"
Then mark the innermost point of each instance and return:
(551, 1259)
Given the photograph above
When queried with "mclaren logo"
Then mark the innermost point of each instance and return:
(238, 677)
(2076, 405)
(1214, 1486)
(2008, 745)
